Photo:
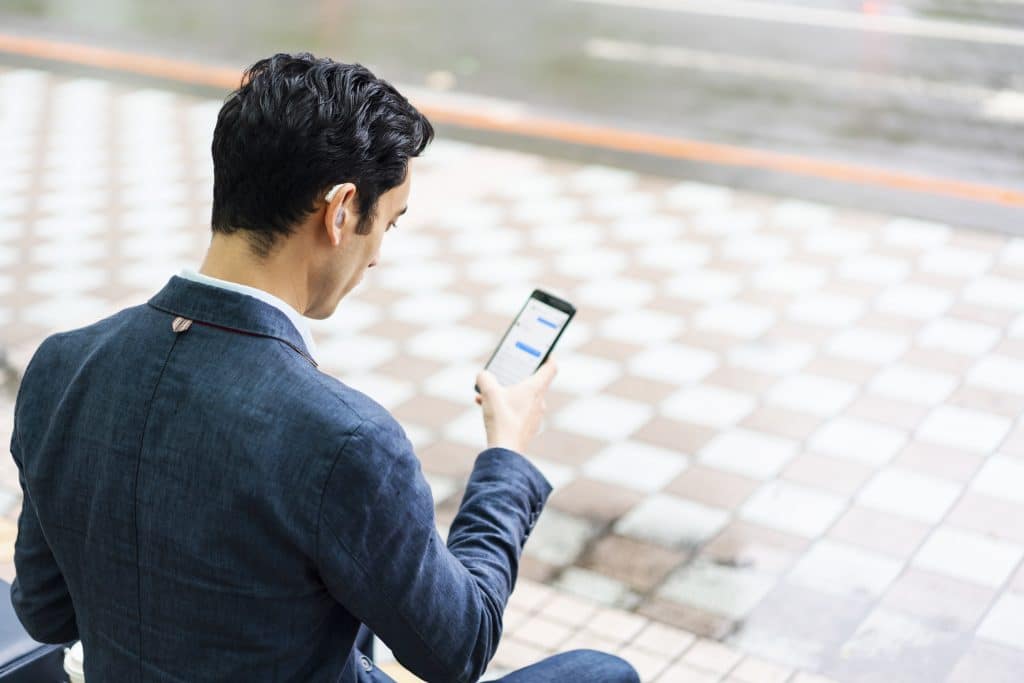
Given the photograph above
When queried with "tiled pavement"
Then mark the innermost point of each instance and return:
(787, 427)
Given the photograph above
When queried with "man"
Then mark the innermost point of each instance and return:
(202, 503)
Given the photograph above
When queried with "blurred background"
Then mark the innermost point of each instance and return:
(786, 440)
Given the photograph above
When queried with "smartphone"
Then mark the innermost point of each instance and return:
(530, 338)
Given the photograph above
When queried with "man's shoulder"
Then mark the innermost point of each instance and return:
(333, 400)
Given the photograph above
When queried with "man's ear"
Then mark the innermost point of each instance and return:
(340, 214)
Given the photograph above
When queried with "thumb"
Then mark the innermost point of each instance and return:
(487, 382)
(546, 373)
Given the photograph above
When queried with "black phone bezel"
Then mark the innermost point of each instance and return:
(545, 298)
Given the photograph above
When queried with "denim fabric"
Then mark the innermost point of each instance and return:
(576, 666)
(207, 505)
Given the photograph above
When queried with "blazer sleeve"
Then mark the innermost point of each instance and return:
(39, 593)
(437, 606)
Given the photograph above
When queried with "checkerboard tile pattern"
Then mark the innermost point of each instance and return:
(785, 435)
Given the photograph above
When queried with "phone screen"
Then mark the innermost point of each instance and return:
(530, 338)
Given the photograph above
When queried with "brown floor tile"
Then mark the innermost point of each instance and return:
(485, 320)
(393, 329)
(937, 359)
(641, 389)
(987, 400)
(742, 544)
(556, 400)
(889, 411)
(610, 348)
(988, 516)
(536, 570)
(428, 410)
(565, 447)
(640, 565)
(1010, 346)
(595, 500)
(782, 422)
(841, 368)
(710, 341)
(879, 531)
(690, 619)
(712, 486)
(448, 458)
(939, 461)
(837, 475)
(890, 322)
(410, 368)
(939, 599)
(672, 305)
(998, 317)
(792, 330)
(681, 436)
(741, 379)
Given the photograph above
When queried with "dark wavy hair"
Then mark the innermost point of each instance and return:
(297, 125)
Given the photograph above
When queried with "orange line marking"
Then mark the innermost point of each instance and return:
(548, 128)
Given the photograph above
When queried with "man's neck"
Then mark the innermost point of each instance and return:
(229, 258)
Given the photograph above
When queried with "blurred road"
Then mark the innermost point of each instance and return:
(919, 86)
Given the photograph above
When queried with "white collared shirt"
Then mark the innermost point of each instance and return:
(300, 322)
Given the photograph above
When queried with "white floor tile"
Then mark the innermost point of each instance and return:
(910, 494)
(875, 269)
(704, 284)
(915, 234)
(958, 336)
(846, 570)
(674, 256)
(671, 521)
(789, 278)
(856, 439)
(580, 373)
(432, 308)
(674, 363)
(997, 292)
(734, 318)
(829, 310)
(968, 556)
(1002, 477)
(812, 394)
(1005, 621)
(750, 453)
(869, 345)
(614, 293)
(727, 591)
(771, 356)
(971, 430)
(793, 508)
(452, 343)
(1000, 373)
(647, 325)
(636, 465)
(914, 301)
(604, 417)
(914, 384)
(710, 405)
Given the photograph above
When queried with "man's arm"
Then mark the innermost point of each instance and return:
(438, 607)
(39, 594)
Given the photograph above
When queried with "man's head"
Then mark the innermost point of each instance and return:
(298, 128)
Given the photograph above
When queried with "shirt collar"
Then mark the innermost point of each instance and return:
(297, 319)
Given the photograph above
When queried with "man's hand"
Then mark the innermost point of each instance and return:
(512, 414)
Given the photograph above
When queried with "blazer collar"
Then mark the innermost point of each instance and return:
(235, 311)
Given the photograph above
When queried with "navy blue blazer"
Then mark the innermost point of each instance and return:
(203, 504)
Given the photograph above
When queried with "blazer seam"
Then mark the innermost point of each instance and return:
(355, 559)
